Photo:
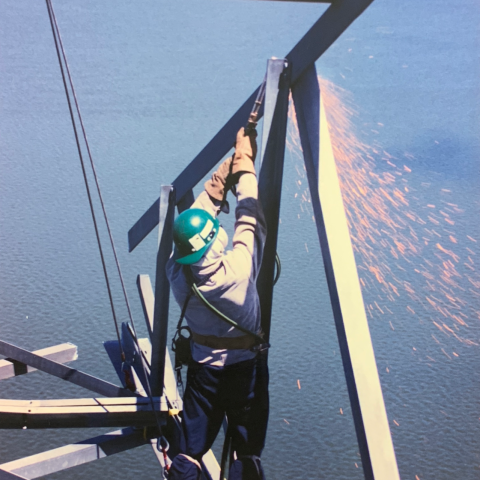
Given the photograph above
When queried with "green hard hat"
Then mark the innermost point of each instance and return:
(194, 231)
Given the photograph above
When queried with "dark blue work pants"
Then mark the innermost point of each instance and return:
(239, 391)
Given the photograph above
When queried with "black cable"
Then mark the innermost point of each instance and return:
(55, 32)
(58, 42)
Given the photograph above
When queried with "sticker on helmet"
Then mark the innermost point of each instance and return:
(206, 229)
(197, 242)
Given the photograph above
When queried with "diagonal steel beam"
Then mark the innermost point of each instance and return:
(363, 384)
(162, 289)
(62, 371)
(317, 40)
(66, 352)
(45, 463)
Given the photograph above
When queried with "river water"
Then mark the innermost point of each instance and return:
(155, 81)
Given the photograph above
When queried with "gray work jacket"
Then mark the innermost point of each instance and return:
(232, 289)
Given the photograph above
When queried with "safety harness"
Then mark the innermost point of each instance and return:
(181, 342)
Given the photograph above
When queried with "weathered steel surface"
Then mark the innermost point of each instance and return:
(368, 408)
(79, 413)
(315, 42)
(270, 177)
(63, 353)
(162, 288)
(52, 461)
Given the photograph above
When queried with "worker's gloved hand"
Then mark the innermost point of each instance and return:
(215, 187)
(245, 153)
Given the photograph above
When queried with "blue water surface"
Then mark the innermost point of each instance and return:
(155, 81)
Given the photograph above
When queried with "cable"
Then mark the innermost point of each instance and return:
(199, 294)
(58, 41)
(60, 49)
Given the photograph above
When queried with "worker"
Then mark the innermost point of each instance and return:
(228, 373)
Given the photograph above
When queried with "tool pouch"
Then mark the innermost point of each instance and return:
(181, 345)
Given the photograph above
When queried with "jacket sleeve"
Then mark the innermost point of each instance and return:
(250, 229)
(205, 202)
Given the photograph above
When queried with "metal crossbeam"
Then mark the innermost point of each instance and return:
(62, 371)
(318, 39)
(45, 463)
(79, 413)
(363, 383)
(66, 352)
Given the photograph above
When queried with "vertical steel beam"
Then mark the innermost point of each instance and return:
(363, 383)
(162, 289)
(271, 174)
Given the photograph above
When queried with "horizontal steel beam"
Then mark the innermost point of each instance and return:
(62, 371)
(79, 413)
(66, 352)
(316, 41)
(45, 463)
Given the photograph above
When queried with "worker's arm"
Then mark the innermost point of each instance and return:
(213, 199)
(250, 227)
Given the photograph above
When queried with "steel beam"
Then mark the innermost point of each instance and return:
(62, 371)
(79, 413)
(213, 152)
(147, 299)
(363, 383)
(316, 41)
(170, 383)
(336, 19)
(59, 459)
(271, 174)
(211, 469)
(186, 201)
(162, 288)
(4, 475)
(66, 352)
